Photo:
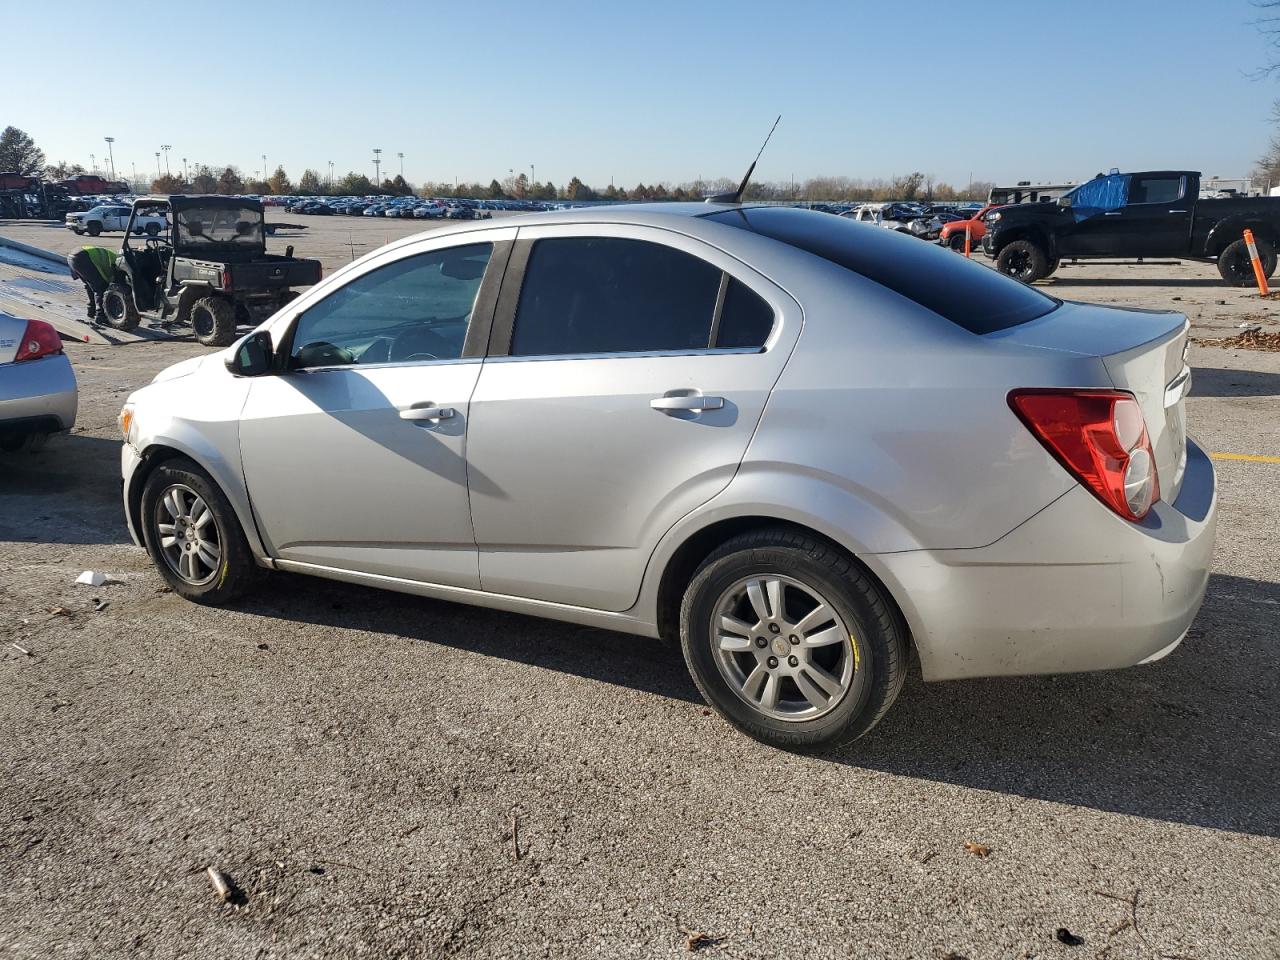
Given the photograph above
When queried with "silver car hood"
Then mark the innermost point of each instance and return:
(180, 369)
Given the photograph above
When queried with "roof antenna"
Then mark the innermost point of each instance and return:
(736, 196)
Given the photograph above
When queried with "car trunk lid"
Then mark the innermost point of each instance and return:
(11, 331)
(1144, 353)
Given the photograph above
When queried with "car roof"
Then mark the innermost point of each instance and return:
(650, 214)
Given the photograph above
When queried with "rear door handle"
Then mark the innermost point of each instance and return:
(424, 411)
(694, 403)
(1112, 213)
(1177, 211)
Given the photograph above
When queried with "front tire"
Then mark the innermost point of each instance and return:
(1236, 267)
(1022, 260)
(193, 535)
(117, 304)
(214, 321)
(791, 641)
(94, 229)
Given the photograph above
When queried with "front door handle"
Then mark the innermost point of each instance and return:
(1112, 213)
(1177, 211)
(424, 411)
(695, 403)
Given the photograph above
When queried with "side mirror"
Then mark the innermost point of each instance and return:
(1064, 202)
(251, 357)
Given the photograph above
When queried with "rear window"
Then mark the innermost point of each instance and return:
(965, 293)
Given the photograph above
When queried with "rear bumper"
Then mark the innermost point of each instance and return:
(1074, 588)
(38, 396)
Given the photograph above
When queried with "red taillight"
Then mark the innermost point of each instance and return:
(1100, 436)
(39, 340)
(226, 278)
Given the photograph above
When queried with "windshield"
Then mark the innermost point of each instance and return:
(220, 226)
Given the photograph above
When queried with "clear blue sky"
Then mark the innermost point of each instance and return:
(657, 90)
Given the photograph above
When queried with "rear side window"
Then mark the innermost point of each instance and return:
(965, 293)
(1155, 189)
(584, 295)
(745, 319)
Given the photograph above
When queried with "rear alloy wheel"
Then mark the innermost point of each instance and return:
(193, 535)
(1022, 260)
(214, 321)
(790, 640)
(1236, 267)
(117, 304)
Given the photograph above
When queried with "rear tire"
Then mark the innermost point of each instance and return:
(117, 304)
(94, 229)
(153, 229)
(834, 651)
(214, 321)
(956, 243)
(213, 565)
(1236, 268)
(1022, 260)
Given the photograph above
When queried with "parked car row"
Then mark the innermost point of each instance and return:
(419, 208)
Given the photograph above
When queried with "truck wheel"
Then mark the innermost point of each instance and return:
(214, 321)
(1022, 260)
(117, 304)
(1236, 268)
(1051, 267)
(94, 228)
(153, 229)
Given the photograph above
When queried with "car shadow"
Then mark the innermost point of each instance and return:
(66, 492)
(1218, 382)
(1190, 739)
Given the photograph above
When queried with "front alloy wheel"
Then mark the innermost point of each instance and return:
(187, 535)
(783, 648)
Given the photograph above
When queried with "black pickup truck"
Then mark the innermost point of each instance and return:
(1154, 214)
(209, 267)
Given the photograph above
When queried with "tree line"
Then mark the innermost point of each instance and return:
(19, 153)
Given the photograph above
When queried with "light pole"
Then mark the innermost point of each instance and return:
(264, 166)
(157, 164)
(330, 174)
(533, 177)
(401, 156)
(166, 148)
(111, 154)
(377, 169)
(133, 184)
(93, 163)
(185, 175)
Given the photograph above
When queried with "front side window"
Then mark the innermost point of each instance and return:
(416, 309)
(1155, 190)
(1100, 193)
(220, 227)
(585, 295)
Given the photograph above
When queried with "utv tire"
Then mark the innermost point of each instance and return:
(213, 563)
(117, 304)
(1022, 260)
(153, 229)
(1236, 268)
(214, 321)
(94, 228)
(818, 666)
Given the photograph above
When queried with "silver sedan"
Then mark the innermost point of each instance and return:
(802, 447)
(38, 395)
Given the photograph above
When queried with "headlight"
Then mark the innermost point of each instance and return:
(126, 422)
(992, 217)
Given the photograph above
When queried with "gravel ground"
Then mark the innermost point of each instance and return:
(388, 776)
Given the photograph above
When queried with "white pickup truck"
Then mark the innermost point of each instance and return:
(106, 219)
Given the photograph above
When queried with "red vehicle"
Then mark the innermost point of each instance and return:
(88, 184)
(953, 233)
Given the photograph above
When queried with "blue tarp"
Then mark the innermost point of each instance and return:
(1099, 195)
